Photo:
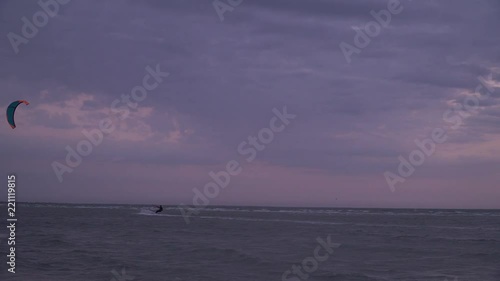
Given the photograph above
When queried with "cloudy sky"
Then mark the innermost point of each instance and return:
(227, 71)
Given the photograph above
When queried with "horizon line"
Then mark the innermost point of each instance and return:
(256, 206)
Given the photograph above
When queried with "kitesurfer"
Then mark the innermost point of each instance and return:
(160, 208)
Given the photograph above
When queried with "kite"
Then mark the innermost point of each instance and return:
(11, 109)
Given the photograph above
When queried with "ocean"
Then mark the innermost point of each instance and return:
(62, 242)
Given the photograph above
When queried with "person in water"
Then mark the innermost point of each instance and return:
(160, 208)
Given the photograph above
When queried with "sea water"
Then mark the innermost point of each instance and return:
(129, 242)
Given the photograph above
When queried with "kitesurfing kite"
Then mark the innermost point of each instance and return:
(11, 109)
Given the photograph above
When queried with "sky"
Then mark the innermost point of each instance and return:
(430, 71)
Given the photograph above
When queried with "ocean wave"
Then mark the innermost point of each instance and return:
(345, 276)
(277, 210)
(229, 253)
(480, 240)
(397, 212)
(148, 212)
(273, 220)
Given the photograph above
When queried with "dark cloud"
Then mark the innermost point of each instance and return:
(353, 120)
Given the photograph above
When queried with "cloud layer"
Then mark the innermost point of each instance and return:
(353, 119)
